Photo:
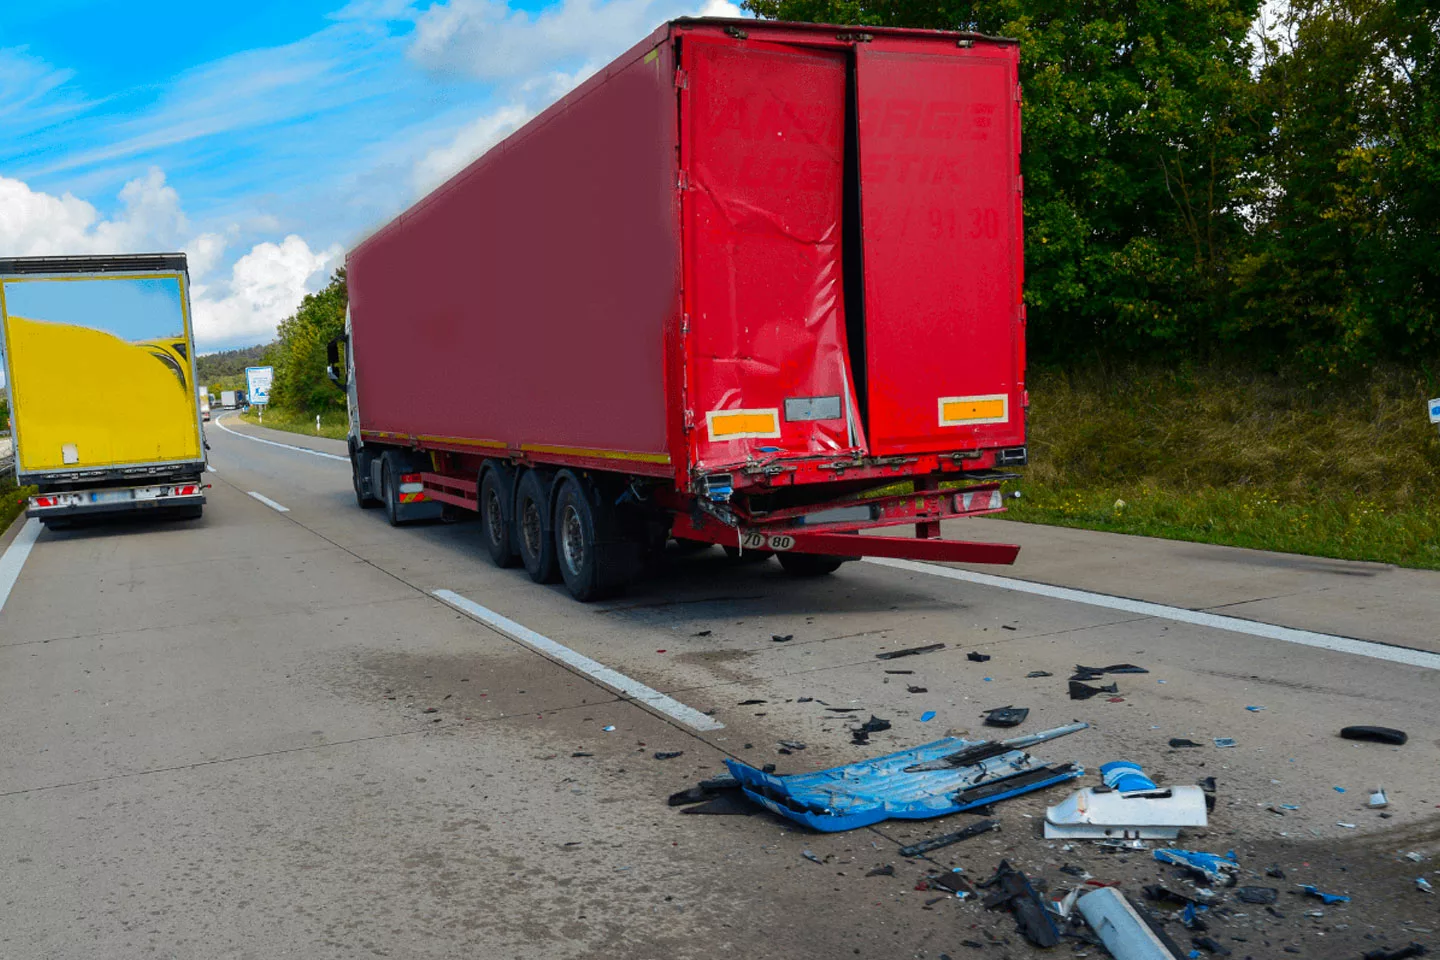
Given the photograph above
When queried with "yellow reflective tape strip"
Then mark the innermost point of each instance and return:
(743, 424)
(955, 411)
(598, 454)
(461, 441)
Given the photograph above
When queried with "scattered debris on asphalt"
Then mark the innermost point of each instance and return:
(1084, 691)
(1113, 668)
(1179, 742)
(810, 856)
(927, 716)
(946, 776)
(1259, 895)
(886, 871)
(1404, 953)
(1325, 898)
(1006, 716)
(1388, 735)
(1128, 806)
(731, 804)
(843, 709)
(906, 672)
(668, 754)
(1038, 673)
(751, 703)
(1226, 742)
(977, 657)
(782, 638)
(1378, 800)
(914, 689)
(945, 840)
(909, 651)
(1212, 866)
(704, 790)
(1014, 891)
(792, 744)
(1424, 886)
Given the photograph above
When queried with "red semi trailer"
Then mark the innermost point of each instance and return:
(727, 290)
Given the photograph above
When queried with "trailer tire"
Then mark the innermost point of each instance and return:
(497, 514)
(534, 539)
(736, 555)
(589, 548)
(809, 564)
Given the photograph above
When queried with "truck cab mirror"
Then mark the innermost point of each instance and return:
(332, 360)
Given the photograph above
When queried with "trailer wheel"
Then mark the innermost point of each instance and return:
(809, 564)
(588, 546)
(534, 540)
(497, 515)
(735, 555)
(389, 491)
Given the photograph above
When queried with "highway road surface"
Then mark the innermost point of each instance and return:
(291, 730)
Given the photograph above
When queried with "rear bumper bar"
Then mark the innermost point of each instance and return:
(847, 544)
(74, 503)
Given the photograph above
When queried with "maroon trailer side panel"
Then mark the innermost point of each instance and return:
(527, 301)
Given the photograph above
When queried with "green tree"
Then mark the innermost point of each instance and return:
(298, 354)
(1346, 264)
(1141, 121)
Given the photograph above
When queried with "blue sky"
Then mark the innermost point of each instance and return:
(131, 309)
(264, 137)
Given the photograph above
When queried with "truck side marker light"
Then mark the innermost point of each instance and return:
(963, 411)
(744, 424)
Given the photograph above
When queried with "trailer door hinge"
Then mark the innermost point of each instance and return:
(1017, 93)
(682, 79)
(684, 324)
(683, 180)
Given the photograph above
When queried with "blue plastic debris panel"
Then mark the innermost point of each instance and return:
(859, 794)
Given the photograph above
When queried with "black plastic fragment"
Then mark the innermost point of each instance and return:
(1210, 945)
(1083, 691)
(1376, 735)
(886, 871)
(1113, 668)
(1014, 891)
(1404, 953)
(977, 657)
(861, 734)
(782, 638)
(986, 791)
(914, 689)
(724, 805)
(751, 703)
(1038, 673)
(951, 882)
(1275, 872)
(909, 651)
(935, 843)
(1178, 742)
(1006, 716)
(1162, 894)
(900, 671)
(668, 754)
(1258, 895)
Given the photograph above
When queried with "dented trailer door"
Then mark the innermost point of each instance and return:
(762, 134)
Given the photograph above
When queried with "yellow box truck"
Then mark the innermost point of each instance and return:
(99, 359)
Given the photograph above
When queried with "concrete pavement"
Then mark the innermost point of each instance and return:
(214, 739)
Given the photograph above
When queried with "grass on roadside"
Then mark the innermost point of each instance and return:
(1239, 458)
(333, 425)
(12, 501)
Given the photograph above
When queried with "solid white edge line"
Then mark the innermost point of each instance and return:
(268, 502)
(210, 468)
(615, 680)
(1254, 628)
(285, 446)
(14, 558)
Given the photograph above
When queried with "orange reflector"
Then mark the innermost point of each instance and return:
(957, 411)
(744, 424)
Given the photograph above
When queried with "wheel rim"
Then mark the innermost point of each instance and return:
(494, 518)
(572, 538)
(530, 524)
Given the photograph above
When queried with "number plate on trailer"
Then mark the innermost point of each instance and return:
(755, 540)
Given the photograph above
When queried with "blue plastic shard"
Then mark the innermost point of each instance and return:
(1212, 865)
(867, 792)
(1325, 898)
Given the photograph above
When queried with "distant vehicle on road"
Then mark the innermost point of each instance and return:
(204, 403)
(227, 399)
(783, 291)
(74, 328)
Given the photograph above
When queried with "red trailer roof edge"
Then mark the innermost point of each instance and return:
(635, 52)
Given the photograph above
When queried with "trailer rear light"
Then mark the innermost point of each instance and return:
(411, 489)
(45, 501)
(744, 424)
(963, 411)
(967, 502)
(1012, 457)
(188, 490)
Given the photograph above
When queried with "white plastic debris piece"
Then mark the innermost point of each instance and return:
(1378, 799)
(1129, 807)
(1121, 928)
(1347, 826)
(1423, 885)
(1414, 857)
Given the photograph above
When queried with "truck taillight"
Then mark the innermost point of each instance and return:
(45, 501)
(188, 490)
(409, 478)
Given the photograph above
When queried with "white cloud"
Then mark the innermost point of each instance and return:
(474, 138)
(489, 40)
(263, 287)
